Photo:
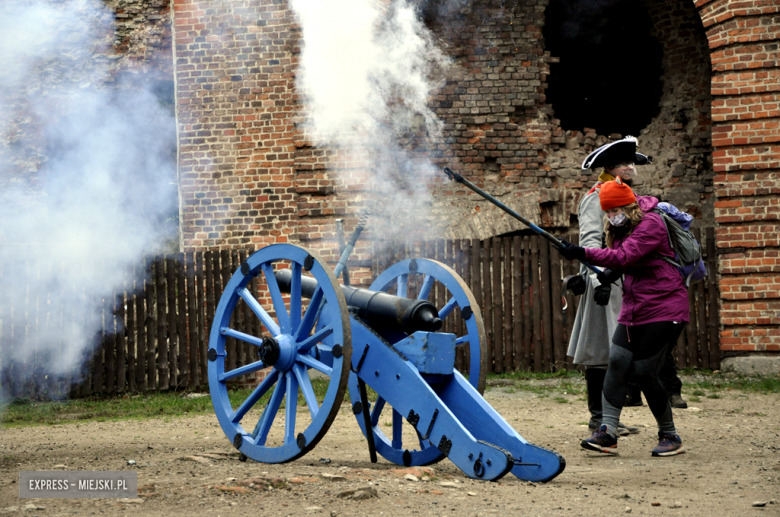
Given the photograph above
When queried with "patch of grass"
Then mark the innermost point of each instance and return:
(694, 399)
(144, 405)
(572, 389)
(542, 384)
(561, 400)
(713, 396)
(698, 393)
(538, 376)
(707, 381)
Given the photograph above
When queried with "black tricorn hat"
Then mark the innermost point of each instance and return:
(621, 151)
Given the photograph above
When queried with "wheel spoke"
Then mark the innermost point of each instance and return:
(317, 365)
(424, 444)
(447, 309)
(276, 297)
(255, 306)
(377, 410)
(295, 297)
(252, 340)
(249, 368)
(256, 395)
(306, 388)
(260, 433)
(425, 290)
(462, 340)
(402, 284)
(398, 430)
(305, 345)
(291, 408)
(311, 315)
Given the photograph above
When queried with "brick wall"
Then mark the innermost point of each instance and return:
(744, 38)
(235, 100)
(248, 177)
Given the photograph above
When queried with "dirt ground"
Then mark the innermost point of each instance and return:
(186, 466)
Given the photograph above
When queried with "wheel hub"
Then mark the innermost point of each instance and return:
(269, 351)
(278, 352)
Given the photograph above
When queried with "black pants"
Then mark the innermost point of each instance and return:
(639, 352)
(667, 375)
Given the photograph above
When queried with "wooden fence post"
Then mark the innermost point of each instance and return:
(131, 339)
(496, 308)
(517, 303)
(713, 300)
(170, 284)
(528, 333)
(508, 318)
(559, 347)
(537, 306)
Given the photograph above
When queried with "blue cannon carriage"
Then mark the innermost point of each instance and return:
(348, 338)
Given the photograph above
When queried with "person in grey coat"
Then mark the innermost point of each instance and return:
(599, 307)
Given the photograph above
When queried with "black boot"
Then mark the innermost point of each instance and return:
(594, 381)
(633, 396)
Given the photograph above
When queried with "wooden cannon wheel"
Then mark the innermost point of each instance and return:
(429, 274)
(284, 346)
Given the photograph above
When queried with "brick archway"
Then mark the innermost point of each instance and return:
(744, 38)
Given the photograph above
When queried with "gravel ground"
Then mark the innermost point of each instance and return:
(186, 466)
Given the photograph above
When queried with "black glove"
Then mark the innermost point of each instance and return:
(601, 294)
(608, 276)
(570, 251)
(574, 283)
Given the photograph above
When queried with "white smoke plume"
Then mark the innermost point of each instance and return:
(87, 183)
(367, 71)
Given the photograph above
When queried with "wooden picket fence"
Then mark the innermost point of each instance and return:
(153, 333)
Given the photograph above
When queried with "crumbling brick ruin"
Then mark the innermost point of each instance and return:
(136, 47)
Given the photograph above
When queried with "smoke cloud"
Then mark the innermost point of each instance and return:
(367, 73)
(87, 183)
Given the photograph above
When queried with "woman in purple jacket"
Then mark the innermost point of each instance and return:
(654, 312)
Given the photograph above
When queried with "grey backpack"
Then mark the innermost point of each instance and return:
(687, 250)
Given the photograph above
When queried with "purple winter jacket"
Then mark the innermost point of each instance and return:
(653, 290)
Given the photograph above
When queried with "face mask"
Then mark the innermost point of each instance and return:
(618, 220)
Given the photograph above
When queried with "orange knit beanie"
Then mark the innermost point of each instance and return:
(615, 194)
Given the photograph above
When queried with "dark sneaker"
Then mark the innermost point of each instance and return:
(632, 401)
(677, 401)
(668, 445)
(593, 424)
(600, 441)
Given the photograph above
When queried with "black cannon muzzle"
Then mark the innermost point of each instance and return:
(382, 311)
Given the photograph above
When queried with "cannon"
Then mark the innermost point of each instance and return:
(320, 338)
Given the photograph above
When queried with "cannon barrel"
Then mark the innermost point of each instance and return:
(381, 310)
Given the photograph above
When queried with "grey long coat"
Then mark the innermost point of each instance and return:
(594, 325)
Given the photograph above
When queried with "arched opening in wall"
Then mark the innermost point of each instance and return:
(609, 74)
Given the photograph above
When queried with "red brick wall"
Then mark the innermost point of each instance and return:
(236, 101)
(744, 37)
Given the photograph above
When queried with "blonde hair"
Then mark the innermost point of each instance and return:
(635, 216)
